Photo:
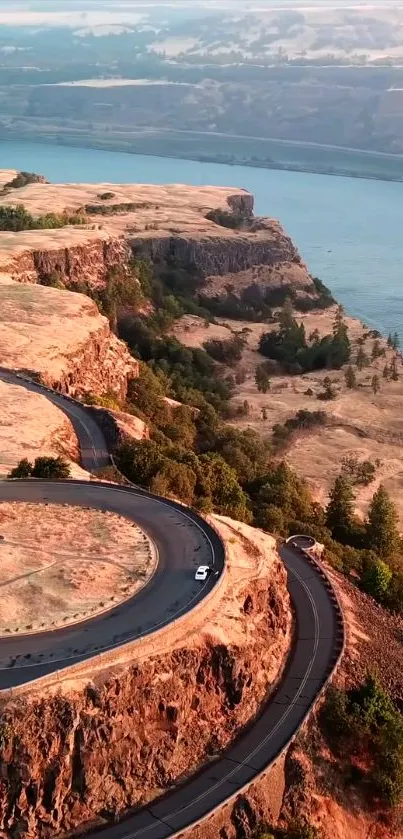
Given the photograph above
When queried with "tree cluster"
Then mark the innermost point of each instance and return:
(289, 345)
(227, 352)
(303, 421)
(364, 726)
(49, 468)
(18, 218)
(375, 547)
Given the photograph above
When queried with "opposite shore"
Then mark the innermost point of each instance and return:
(170, 150)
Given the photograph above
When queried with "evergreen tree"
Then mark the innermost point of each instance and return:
(394, 373)
(376, 579)
(382, 533)
(286, 316)
(377, 351)
(328, 389)
(340, 346)
(386, 371)
(350, 377)
(262, 378)
(395, 341)
(375, 384)
(390, 341)
(362, 358)
(340, 510)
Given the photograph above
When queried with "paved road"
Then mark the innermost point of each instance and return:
(182, 539)
(93, 448)
(317, 642)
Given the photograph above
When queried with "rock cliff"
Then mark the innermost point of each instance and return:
(61, 337)
(80, 757)
(211, 228)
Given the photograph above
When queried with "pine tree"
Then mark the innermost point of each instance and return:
(362, 358)
(350, 377)
(377, 351)
(340, 346)
(382, 533)
(340, 510)
(375, 384)
(395, 341)
(286, 316)
(262, 379)
(376, 579)
(394, 373)
(386, 371)
(390, 341)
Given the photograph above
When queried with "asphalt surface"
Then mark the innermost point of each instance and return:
(183, 541)
(93, 448)
(317, 643)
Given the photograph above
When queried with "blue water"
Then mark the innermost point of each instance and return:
(349, 231)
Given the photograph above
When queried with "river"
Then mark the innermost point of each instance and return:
(348, 230)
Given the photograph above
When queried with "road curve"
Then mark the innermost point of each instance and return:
(317, 646)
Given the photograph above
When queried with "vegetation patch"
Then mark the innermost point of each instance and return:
(23, 179)
(50, 468)
(226, 219)
(18, 218)
(365, 730)
(297, 354)
(303, 421)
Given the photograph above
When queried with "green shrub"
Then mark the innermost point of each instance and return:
(51, 468)
(364, 721)
(226, 352)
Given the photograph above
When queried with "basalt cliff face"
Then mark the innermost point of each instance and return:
(210, 228)
(81, 756)
(61, 337)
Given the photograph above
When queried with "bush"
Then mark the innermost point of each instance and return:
(358, 472)
(18, 218)
(364, 721)
(376, 579)
(22, 470)
(49, 468)
(303, 421)
(226, 219)
(226, 352)
(22, 179)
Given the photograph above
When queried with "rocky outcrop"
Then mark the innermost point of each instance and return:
(82, 757)
(101, 364)
(118, 426)
(62, 338)
(216, 255)
(87, 262)
(212, 229)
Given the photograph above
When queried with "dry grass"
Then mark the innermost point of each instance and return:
(170, 208)
(41, 328)
(31, 426)
(363, 424)
(60, 564)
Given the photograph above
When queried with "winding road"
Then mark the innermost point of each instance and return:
(183, 541)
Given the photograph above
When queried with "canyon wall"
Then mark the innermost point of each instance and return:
(210, 228)
(62, 338)
(82, 755)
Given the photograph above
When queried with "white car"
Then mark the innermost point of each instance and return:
(202, 572)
